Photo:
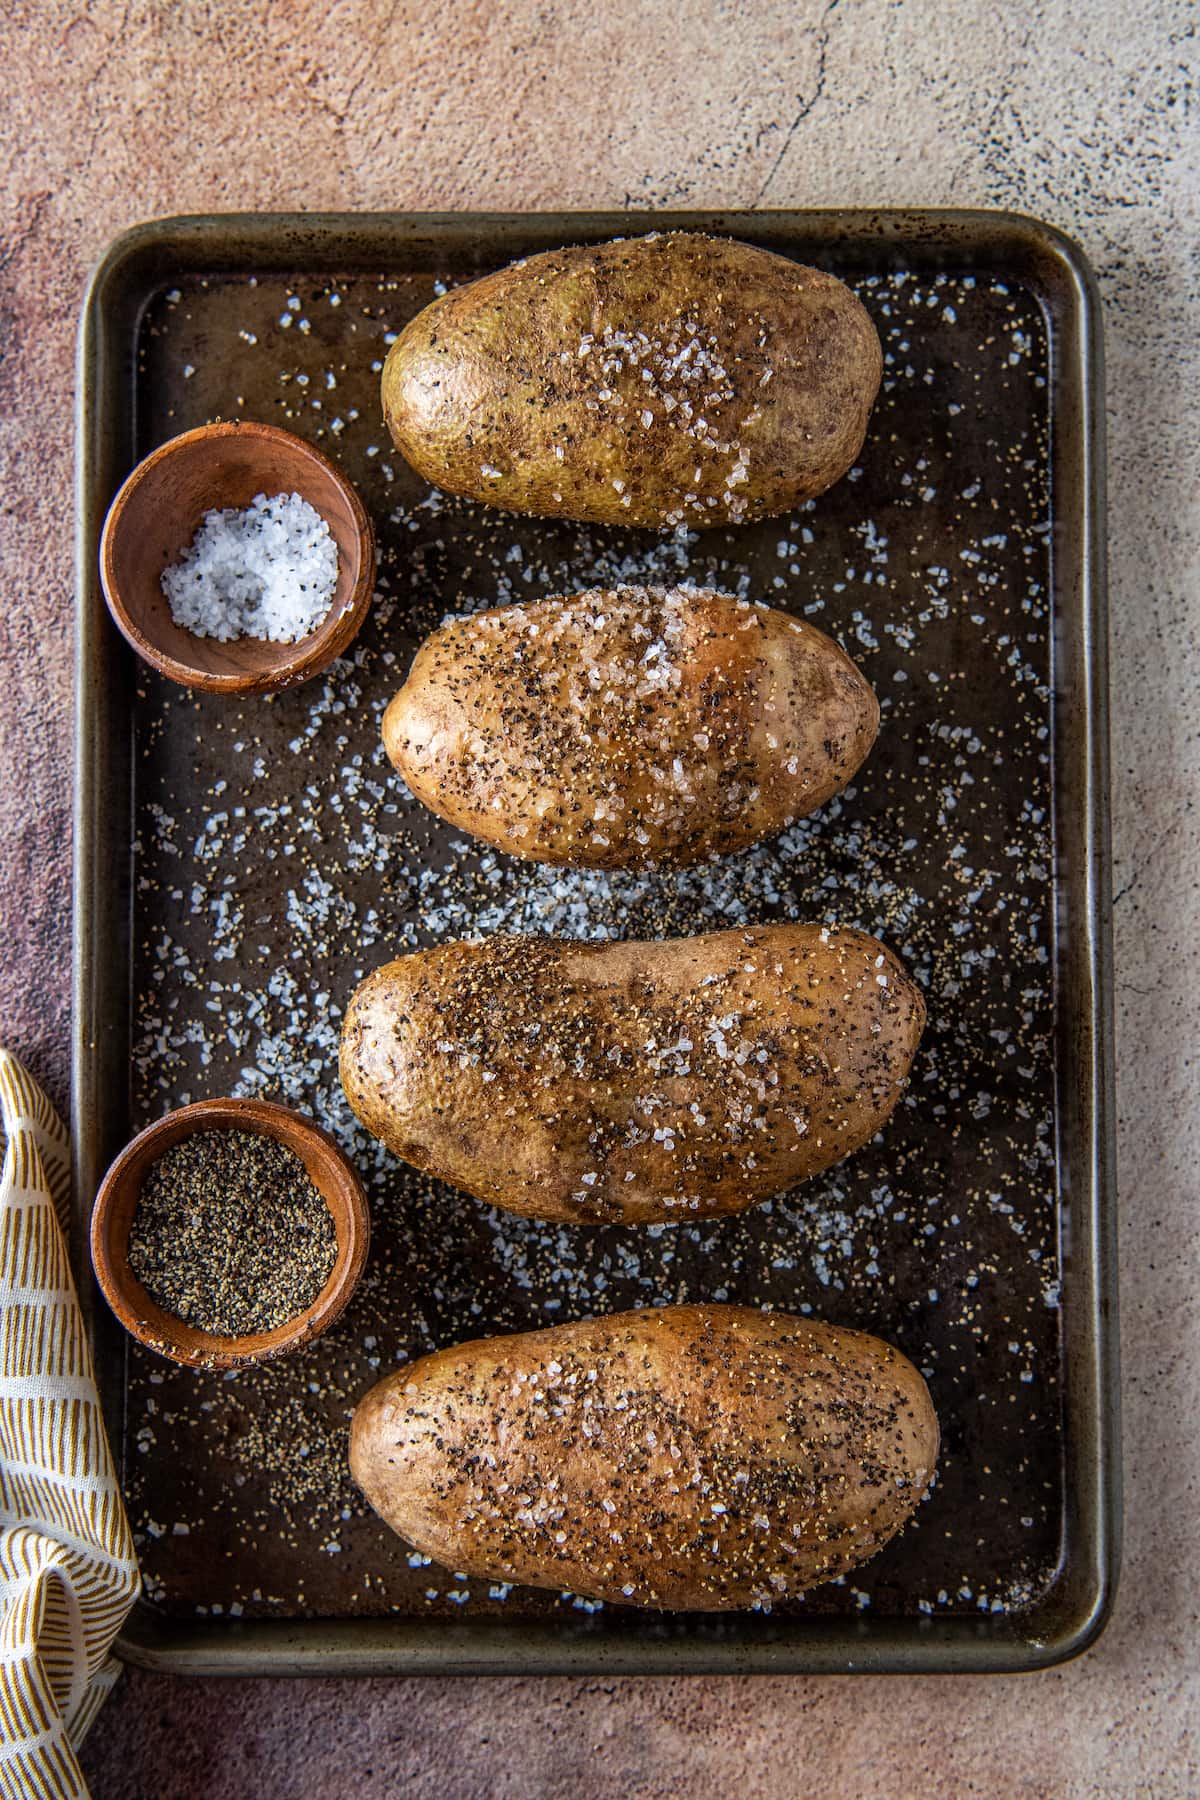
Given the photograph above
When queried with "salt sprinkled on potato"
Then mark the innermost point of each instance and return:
(670, 380)
(630, 1082)
(684, 1457)
(627, 727)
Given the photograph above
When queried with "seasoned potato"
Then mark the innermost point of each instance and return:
(668, 380)
(684, 1457)
(629, 726)
(632, 1082)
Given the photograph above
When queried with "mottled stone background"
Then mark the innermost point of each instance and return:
(1085, 115)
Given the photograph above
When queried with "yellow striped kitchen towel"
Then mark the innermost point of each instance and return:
(68, 1574)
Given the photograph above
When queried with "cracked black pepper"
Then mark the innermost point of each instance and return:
(230, 1235)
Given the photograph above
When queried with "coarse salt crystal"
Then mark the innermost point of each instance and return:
(267, 571)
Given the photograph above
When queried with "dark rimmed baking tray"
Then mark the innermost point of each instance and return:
(130, 394)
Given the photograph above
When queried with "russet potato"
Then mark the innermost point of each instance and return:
(682, 1457)
(632, 1082)
(625, 727)
(668, 380)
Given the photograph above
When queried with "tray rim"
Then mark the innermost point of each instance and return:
(1088, 1570)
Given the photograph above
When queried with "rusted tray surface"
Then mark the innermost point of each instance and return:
(262, 857)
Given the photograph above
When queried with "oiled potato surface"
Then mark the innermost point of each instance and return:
(674, 379)
(632, 1082)
(683, 1457)
(624, 727)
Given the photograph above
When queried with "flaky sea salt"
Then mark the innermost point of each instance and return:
(265, 571)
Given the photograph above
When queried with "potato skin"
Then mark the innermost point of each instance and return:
(624, 727)
(684, 1457)
(674, 379)
(632, 1082)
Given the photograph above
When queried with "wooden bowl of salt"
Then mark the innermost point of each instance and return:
(238, 559)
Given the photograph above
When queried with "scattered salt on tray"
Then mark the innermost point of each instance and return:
(265, 571)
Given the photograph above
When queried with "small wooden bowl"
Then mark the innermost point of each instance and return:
(112, 1217)
(156, 515)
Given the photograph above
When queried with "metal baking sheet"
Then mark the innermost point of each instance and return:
(241, 864)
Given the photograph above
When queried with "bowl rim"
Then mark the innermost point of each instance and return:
(328, 640)
(150, 1323)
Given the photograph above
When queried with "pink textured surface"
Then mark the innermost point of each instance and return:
(114, 113)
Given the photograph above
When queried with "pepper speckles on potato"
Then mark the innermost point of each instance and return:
(674, 379)
(632, 1082)
(683, 1457)
(624, 727)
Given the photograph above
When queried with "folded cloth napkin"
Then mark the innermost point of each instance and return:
(68, 1573)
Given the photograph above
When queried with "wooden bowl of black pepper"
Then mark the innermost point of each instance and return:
(228, 1233)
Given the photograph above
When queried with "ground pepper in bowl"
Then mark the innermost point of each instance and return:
(230, 1235)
